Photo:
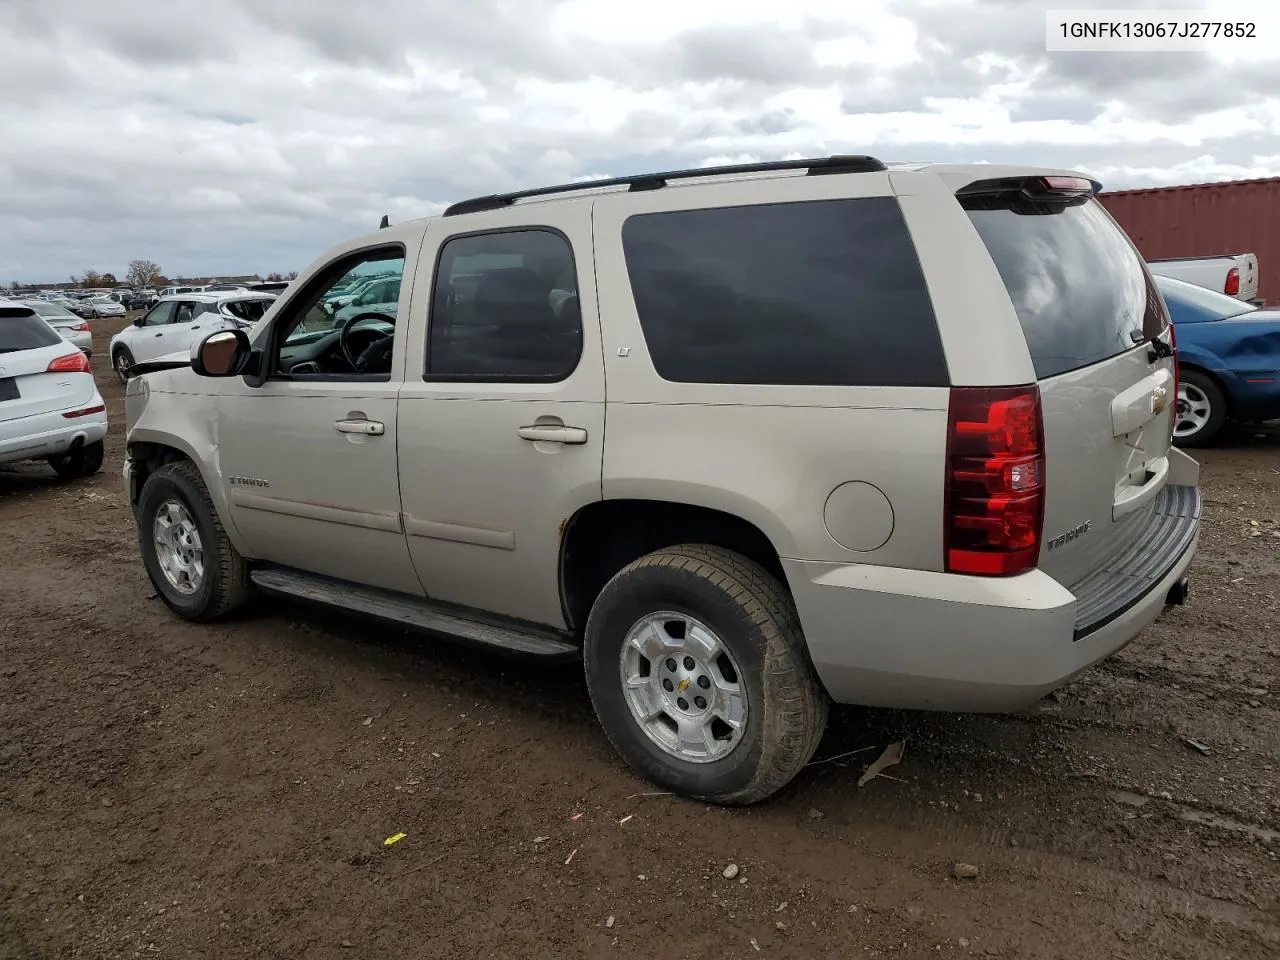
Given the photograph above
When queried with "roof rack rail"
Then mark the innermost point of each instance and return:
(655, 181)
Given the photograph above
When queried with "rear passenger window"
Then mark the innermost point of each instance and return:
(823, 293)
(505, 307)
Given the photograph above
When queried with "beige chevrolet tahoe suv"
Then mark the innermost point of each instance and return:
(744, 440)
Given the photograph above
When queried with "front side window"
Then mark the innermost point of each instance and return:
(322, 334)
(160, 314)
(819, 293)
(504, 307)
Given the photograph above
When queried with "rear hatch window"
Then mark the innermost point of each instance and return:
(22, 330)
(1080, 290)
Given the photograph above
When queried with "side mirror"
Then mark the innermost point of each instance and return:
(221, 354)
(138, 322)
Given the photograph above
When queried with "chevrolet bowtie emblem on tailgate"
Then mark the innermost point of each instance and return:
(1158, 399)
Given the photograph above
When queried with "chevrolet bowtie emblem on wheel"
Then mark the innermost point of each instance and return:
(1159, 399)
(683, 685)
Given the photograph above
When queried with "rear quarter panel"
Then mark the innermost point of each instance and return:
(776, 455)
(1245, 357)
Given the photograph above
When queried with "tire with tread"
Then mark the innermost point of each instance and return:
(83, 462)
(755, 617)
(226, 577)
(121, 353)
(1217, 409)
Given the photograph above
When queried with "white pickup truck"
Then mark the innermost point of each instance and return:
(1235, 275)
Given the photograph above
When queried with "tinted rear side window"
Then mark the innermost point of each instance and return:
(823, 293)
(1077, 285)
(20, 331)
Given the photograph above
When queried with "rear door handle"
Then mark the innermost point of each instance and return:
(552, 433)
(367, 428)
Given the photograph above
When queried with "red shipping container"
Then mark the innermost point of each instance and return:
(1206, 220)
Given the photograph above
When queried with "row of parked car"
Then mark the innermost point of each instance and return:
(93, 304)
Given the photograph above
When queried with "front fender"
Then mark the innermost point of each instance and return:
(187, 423)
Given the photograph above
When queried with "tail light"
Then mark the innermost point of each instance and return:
(72, 414)
(995, 480)
(1232, 289)
(1173, 342)
(81, 327)
(72, 363)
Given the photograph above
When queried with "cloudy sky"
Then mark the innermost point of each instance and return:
(229, 136)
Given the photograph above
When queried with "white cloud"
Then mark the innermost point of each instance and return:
(240, 135)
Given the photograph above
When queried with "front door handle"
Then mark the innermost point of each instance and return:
(366, 428)
(552, 433)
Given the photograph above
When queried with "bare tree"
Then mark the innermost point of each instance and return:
(92, 278)
(291, 275)
(143, 273)
(275, 276)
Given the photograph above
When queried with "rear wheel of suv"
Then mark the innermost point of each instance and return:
(122, 360)
(190, 560)
(1202, 409)
(84, 461)
(698, 671)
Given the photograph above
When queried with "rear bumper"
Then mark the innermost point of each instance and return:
(915, 639)
(48, 434)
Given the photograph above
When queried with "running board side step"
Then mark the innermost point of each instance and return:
(459, 623)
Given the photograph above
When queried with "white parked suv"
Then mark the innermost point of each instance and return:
(744, 440)
(173, 324)
(50, 408)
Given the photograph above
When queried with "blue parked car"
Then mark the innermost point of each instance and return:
(1228, 360)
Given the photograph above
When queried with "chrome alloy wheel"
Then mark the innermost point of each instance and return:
(178, 547)
(1194, 410)
(683, 687)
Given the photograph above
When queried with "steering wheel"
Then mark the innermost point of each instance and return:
(345, 330)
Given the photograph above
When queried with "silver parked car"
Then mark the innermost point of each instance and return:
(744, 441)
(97, 307)
(73, 328)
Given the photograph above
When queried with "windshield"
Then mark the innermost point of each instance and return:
(1207, 301)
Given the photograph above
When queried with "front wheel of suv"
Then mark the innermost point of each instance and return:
(191, 562)
(699, 674)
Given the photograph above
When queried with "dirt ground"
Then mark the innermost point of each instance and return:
(225, 792)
